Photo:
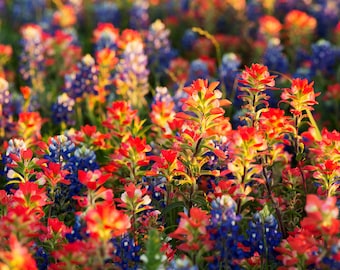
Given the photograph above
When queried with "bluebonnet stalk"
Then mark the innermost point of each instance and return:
(7, 110)
(126, 253)
(14, 147)
(82, 159)
(84, 81)
(158, 48)
(132, 74)
(188, 39)
(32, 65)
(107, 11)
(224, 231)
(139, 16)
(254, 10)
(60, 149)
(274, 58)
(63, 151)
(162, 94)
(78, 230)
(330, 261)
(228, 73)
(327, 16)
(302, 63)
(27, 11)
(42, 258)
(264, 236)
(181, 264)
(198, 70)
(323, 57)
(63, 110)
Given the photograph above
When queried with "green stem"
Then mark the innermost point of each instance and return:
(313, 122)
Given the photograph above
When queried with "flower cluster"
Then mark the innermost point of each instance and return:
(169, 134)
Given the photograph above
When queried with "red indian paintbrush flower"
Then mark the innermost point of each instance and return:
(17, 257)
(257, 78)
(192, 231)
(104, 221)
(300, 96)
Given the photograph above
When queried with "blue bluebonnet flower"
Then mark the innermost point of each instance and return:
(27, 11)
(42, 258)
(158, 48)
(181, 264)
(78, 230)
(60, 149)
(188, 39)
(264, 236)
(254, 10)
(139, 16)
(224, 231)
(198, 70)
(7, 110)
(302, 65)
(107, 11)
(304, 72)
(323, 57)
(329, 261)
(84, 81)
(14, 147)
(132, 74)
(327, 15)
(162, 95)
(63, 110)
(82, 159)
(274, 58)
(32, 64)
(229, 71)
(63, 151)
(126, 252)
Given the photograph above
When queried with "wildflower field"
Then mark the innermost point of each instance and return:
(164, 134)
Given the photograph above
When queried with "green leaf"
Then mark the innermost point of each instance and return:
(153, 258)
(169, 208)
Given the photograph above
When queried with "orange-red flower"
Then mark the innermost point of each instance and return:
(30, 195)
(65, 17)
(322, 216)
(270, 27)
(257, 78)
(94, 181)
(299, 27)
(300, 22)
(128, 35)
(275, 124)
(162, 113)
(192, 231)
(300, 96)
(29, 126)
(104, 221)
(17, 257)
(106, 30)
(203, 107)
(135, 199)
(52, 173)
